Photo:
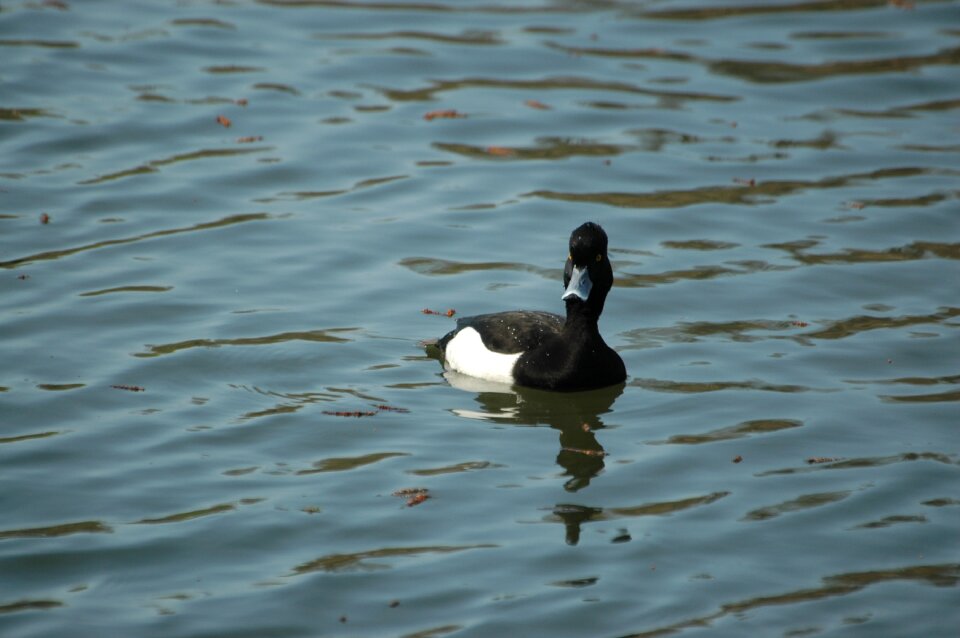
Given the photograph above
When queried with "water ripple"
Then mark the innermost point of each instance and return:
(701, 13)
(867, 462)
(940, 575)
(349, 463)
(753, 193)
(189, 516)
(738, 431)
(546, 84)
(331, 335)
(360, 560)
(800, 503)
(698, 387)
(64, 529)
(153, 165)
(67, 252)
(29, 605)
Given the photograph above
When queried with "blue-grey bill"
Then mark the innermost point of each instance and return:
(579, 285)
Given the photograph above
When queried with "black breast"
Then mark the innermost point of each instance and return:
(570, 365)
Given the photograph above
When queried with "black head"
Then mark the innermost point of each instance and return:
(588, 267)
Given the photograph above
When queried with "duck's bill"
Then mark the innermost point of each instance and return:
(579, 285)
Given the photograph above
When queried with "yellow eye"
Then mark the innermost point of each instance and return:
(569, 256)
(599, 257)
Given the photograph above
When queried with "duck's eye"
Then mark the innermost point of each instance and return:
(569, 256)
(599, 256)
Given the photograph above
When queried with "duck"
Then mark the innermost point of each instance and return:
(538, 349)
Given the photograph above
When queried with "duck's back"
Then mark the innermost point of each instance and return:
(509, 332)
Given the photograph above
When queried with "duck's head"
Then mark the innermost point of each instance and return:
(588, 275)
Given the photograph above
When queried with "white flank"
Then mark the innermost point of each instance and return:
(466, 353)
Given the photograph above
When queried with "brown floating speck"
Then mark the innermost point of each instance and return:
(446, 114)
(449, 313)
(414, 495)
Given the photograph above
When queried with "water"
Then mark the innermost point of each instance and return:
(189, 337)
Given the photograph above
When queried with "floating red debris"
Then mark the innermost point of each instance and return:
(537, 104)
(799, 324)
(249, 139)
(449, 313)
(500, 151)
(224, 121)
(129, 388)
(417, 499)
(446, 114)
(241, 102)
(390, 408)
(360, 413)
(56, 4)
(44, 218)
(902, 4)
(745, 182)
(414, 495)
(737, 459)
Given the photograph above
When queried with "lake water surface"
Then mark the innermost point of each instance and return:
(221, 222)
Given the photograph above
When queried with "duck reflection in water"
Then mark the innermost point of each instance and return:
(577, 416)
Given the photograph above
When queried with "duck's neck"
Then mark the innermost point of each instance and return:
(581, 318)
